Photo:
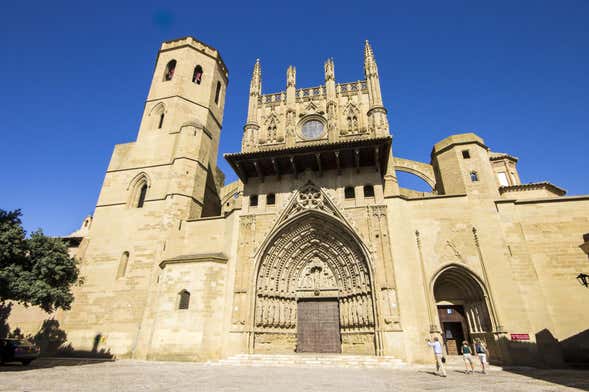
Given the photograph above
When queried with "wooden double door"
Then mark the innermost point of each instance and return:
(318, 327)
(454, 327)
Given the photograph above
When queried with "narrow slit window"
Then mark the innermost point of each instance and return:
(253, 200)
(122, 270)
(170, 69)
(183, 299)
(349, 192)
(271, 199)
(161, 122)
(218, 92)
(474, 177)
(142, 194)
(197, 75)
(368, 191)
(465, 154)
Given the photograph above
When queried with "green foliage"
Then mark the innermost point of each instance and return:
(34, 271)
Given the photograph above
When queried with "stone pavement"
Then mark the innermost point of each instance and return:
(130, 375)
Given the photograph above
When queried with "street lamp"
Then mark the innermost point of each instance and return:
(583, 279)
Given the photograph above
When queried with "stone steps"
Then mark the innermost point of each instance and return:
(310, 360)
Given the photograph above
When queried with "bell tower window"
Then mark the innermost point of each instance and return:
(161, 122)
(170, 69)
(197, 75)
(474, 177)
(218, 92)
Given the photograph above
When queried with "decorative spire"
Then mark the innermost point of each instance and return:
(291, 76)
(368, 54)
(370, 68)
(256, 83)
(329, 70)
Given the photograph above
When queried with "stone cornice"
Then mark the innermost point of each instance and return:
(196, 258)
(158, 165)
(532, 186)
(562, 199)
(192, 102)
(496, 156)
(433, 197)
(200, 203)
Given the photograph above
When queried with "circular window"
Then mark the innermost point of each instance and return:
(312, 129)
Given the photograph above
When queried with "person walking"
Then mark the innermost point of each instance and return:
(439, 355)
(467, 356)
(481, 350)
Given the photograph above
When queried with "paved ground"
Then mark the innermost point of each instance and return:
(126, 375)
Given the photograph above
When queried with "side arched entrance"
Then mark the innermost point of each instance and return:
(461, 303)
(313, 290)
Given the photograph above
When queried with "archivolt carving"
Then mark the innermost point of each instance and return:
(313, 253)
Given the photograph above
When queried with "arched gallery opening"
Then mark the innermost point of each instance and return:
(314, 291)
(462, 308)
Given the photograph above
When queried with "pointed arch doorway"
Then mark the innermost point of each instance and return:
(461, 302)
(313, 289)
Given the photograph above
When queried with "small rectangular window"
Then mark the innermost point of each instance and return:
(465, 154)
(368, 191)
(253, 200)
(349, 192)
(270, 199)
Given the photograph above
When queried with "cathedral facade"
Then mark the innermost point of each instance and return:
(316, 248)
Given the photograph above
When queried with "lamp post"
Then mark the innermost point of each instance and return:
(582, 277)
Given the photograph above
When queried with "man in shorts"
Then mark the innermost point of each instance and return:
(481, 350)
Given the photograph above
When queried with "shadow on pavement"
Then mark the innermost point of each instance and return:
(567, 377)
(50, 362)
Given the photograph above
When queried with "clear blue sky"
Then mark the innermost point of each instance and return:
(73, 80)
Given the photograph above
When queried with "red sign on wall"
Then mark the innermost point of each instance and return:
(520, 336)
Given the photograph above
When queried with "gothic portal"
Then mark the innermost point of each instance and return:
(313, 283)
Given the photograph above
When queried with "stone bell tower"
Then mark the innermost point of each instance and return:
(181, 124)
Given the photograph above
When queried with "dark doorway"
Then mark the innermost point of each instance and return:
(462, 309)
(318, 328)
(454, 327)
